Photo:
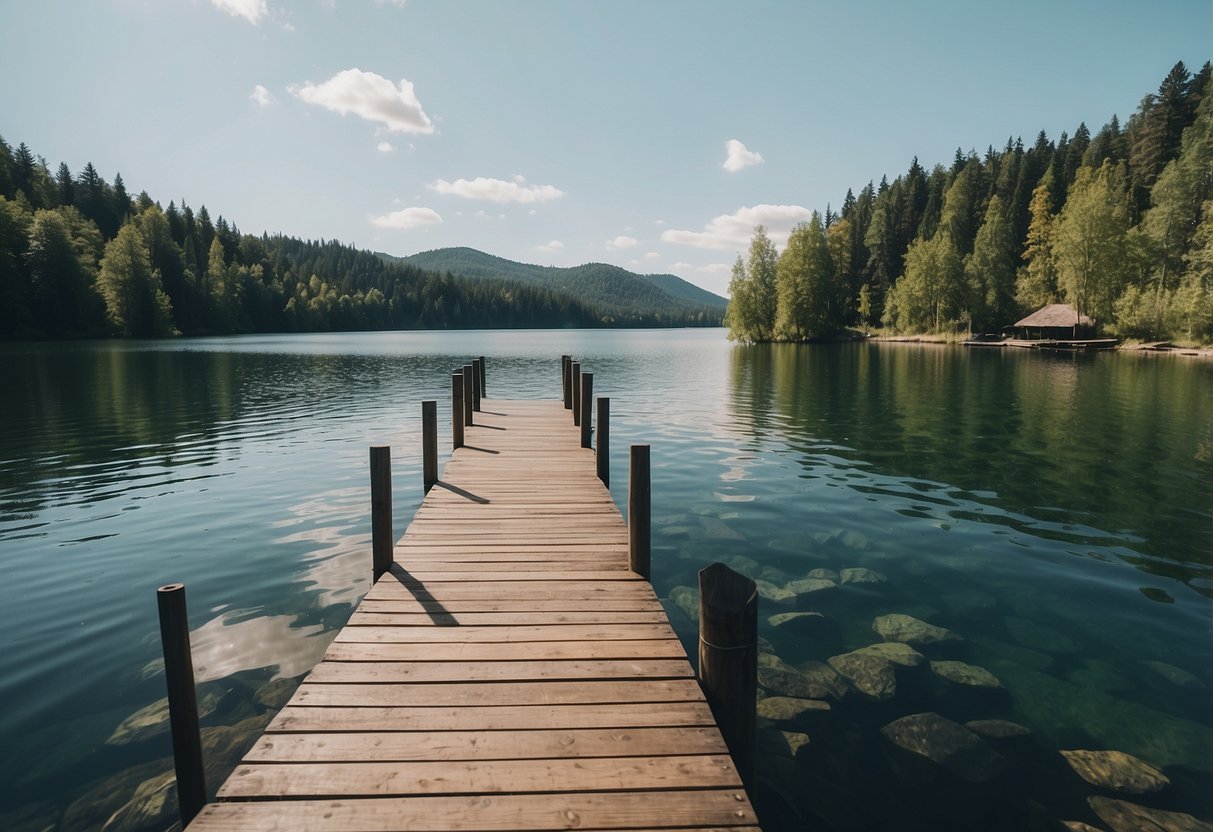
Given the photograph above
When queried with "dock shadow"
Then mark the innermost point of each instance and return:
(482, 450)
(454, 489)
(488, 427)
(432, 606)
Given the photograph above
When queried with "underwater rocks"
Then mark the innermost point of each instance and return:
(781, 743)
(997, 729)
(1116, 771)
(870, 675)
(789, 708)
(811, 680)
(808, 586)
(896, 652)
(859, 575)
(946, 744)
(778, 594)
(154, 801)
(798, 621)
(153, 719)
(823, 574)
(1122, 816)
(1175, 675)
(910, 630)
(687, 600)
(959, 673)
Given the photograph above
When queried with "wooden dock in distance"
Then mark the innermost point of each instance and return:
(508, 672)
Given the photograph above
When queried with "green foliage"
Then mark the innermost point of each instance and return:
(1036, 284)
(135, 302)
(807, 306)
(990, 270)
(1090, 243)
(751, 312)
(931, 296)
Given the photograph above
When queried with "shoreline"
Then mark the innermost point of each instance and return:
(1145, 349)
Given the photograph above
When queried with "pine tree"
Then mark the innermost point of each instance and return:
(65, 186)
(135, 303)
(990, 270)
(1036, 284)
(61, 278)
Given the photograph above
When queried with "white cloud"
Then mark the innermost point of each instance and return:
(415, 217)
(681, 265)
(370, 96)
(651, 255)
(262, 96)
(551, 245)
(738, 158)
(622, 242)
(716, 268)
(384, 147)
(658, 222)
(250, 10)
(497, 190)
(733, 231)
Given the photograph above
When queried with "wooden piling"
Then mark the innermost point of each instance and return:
(483, 388)
(467, 394)
(564, 379)
(568, 384)
(182, 700)
(728, 659)
(639, 512)
(457, 410)
(429, 444)
(575, 381)
(476, 385)
(381, 510)
(602, 445)
(587, 402)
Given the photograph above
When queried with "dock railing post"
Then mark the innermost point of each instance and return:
(381, 509)
(568, 382)
(728, 659)
(457, 410)
(587, 403)
(602, 444)
(483, 388)
(575, 382)
(182, 700)
(639, 512)
(476, 385)
(467, 394)
(429, 444)
(564, 378)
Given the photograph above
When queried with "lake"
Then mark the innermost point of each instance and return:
(1053, 511)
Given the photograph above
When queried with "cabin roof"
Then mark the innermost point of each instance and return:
(1055, 314)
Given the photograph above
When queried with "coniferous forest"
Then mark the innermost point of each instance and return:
(80, 257)
(1119, 225)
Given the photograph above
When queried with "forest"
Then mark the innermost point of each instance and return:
(1119, 225)
(80, 257)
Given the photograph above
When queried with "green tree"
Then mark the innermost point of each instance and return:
(135, 302)
(1036, 284)
(15, 221)
(63, 301)
(807, 305)
(1090, 243)
(990, 270)
(931, 295)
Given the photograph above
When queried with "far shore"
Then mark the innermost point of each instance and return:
(1134, 347)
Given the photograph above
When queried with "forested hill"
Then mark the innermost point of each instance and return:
(618, 293)
(1117, 223)
(81, 257)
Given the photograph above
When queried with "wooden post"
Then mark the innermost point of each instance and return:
(467, 394)
(639, 512)
(483, 388)
(728, 659)
(575, 382)
(568, 383)
(182, 700)
(429, 444)
(564, 378)
(476, 385)
(381, 510)
(587, 402)
(456, 409)
(602, 450)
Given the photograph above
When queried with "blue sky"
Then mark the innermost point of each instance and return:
(560, 132)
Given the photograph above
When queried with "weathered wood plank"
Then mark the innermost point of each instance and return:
(377, 746)
(534, 650)
(440, 694)
(367, 618)
(609, 603)
(471, 635)
(499, 671)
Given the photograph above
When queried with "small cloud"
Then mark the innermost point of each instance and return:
(384, 147)
(737, 157)
(251, 10)
(715, 268)
(496, 190)
(733, 231)
(371, 97)
(415, 217)
(658, 222)
(681, 265)
(551, 245)
(622, 242)
(262, 96)
(531, 212)
(651, 255)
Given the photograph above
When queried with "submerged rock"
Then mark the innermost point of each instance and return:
(807, 586)
(823, 574)
(773, 574)
(859, 575)
(1117, 771)
(716, 530)
(969, 675)
(769, 659)
(871, 675)
(276, 693)
(153, 719)
(895, 652)
(1175, 675)
(687, 600)
(787, 683)
(1122, 816)
(789, 621)
(997, 729)
(825, 679)
(908, 629)
(778, 594)
(854, 540)
(1079, 826)
(789, 708)
(110, 795)
(781, 743)
(153, 802)
(947, 744)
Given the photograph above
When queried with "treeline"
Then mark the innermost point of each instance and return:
(1119, 225)
(80, 257)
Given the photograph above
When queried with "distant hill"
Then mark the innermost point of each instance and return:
(615, 293)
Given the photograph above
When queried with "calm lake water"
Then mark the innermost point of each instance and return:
(1053, 511)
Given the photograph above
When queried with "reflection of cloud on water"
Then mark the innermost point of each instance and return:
(339, 553)
(224, 646)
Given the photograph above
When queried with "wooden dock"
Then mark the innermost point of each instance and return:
(509, 672)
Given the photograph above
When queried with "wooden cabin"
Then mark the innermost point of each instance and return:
(1057, 321)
